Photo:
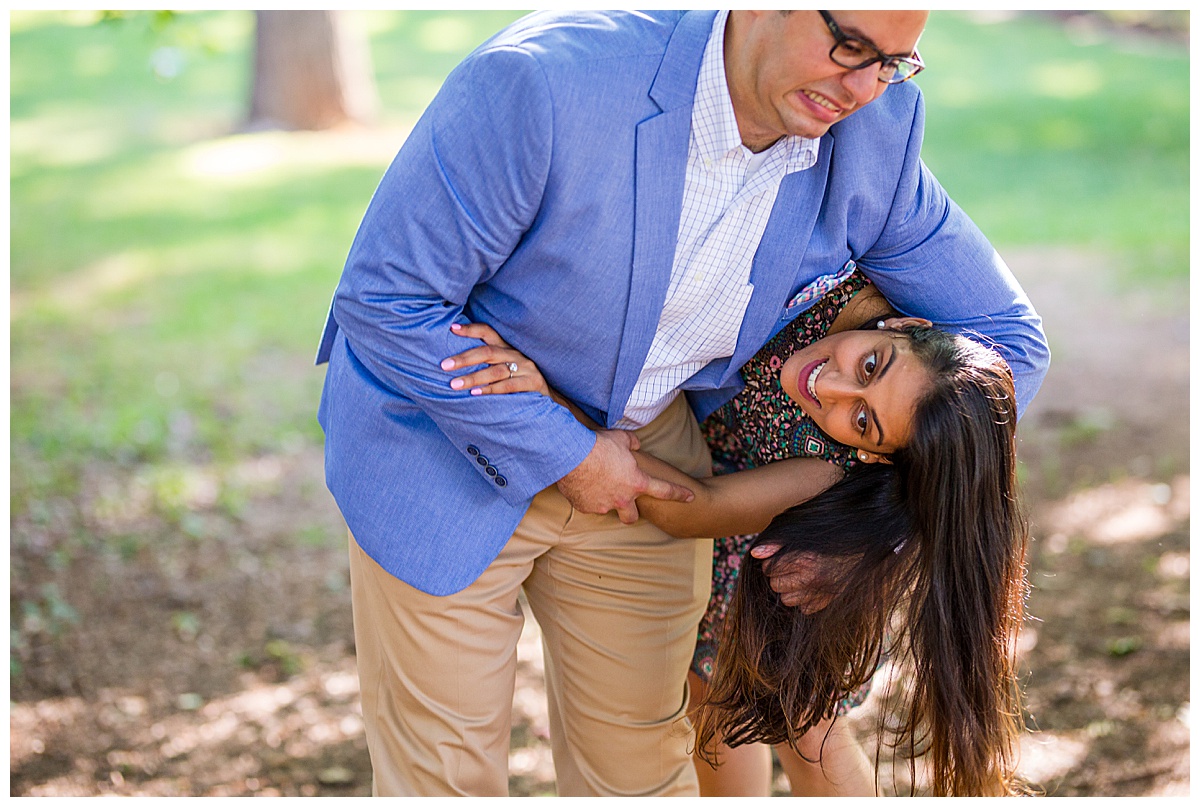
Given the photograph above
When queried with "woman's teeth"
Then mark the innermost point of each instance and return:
(812, 381)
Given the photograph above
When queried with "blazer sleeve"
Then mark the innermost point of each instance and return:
(461, 193)
(932, 261)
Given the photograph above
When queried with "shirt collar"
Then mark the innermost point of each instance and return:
(714, 126)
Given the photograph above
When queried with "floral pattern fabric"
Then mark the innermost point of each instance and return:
(762, 425)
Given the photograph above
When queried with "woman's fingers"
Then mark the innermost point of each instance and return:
(507, 370)
(494, 379)
(499, 379)
(478, 330)
(485, 354)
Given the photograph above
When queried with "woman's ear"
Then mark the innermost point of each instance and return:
(870, 458)
(901, 322)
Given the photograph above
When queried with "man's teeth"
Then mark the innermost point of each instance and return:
(812, 381)
(822, 100)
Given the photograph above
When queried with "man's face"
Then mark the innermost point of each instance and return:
(782, 80)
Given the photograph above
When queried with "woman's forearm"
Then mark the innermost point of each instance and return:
(740, 503)
(733, 504)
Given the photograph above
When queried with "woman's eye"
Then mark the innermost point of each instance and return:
(860, 420)
(870, 364)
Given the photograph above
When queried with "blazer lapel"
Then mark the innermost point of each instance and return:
(660, 164)
(779, 255)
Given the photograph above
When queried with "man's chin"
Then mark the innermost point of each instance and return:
(810, 129)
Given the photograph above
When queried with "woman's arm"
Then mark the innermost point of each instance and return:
(739, 503)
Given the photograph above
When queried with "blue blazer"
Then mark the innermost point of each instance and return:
(540, 193)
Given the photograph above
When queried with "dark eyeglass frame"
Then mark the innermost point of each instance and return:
(840, 37)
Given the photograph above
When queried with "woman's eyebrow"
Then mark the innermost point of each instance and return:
(879, 376)
(876, 378)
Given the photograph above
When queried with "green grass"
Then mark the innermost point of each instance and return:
(1045, 141)
(169, 280)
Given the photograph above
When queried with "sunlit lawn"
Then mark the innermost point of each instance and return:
(169, 280)
(1044, 141)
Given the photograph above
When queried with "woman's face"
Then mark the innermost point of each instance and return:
(860, 387)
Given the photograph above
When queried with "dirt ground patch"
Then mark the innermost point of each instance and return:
(214, 655)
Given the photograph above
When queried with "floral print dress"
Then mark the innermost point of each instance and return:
(762, 425)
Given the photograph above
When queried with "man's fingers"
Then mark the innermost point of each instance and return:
(807, 603)
(803, 564)
(662, 489)
(790, 584)
(629, 513)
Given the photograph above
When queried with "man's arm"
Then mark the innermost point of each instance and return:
(457, 199)
(932, 261)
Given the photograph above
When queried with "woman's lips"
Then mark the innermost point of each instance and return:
(808, 381)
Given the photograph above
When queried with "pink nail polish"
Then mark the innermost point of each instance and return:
(447, 364)
(456, 383)
(454, 326)
(476, 391)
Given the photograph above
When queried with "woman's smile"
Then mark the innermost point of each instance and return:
(859, 387)
(808, 380)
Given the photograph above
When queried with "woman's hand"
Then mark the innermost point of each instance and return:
(509, 369)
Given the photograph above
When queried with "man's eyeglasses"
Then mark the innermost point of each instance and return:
(855, 54)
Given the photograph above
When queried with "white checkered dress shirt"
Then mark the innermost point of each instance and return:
(728, 193)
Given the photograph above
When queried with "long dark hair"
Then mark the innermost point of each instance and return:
(927, 559)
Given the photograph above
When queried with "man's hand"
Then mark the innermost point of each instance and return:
(609, 479)
(802, 580)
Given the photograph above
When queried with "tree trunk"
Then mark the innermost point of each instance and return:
(311, 71)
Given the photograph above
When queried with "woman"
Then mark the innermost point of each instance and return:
(941, 545)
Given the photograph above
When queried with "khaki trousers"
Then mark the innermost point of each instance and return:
(618, 606)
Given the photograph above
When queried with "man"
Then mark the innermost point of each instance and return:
(631, 200)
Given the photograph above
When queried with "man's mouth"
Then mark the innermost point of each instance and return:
(821, 100)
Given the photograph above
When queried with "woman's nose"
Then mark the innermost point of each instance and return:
(837, 385)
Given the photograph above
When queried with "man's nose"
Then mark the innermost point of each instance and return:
(863, 84)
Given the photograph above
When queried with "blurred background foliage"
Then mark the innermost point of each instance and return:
(1079, 140)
